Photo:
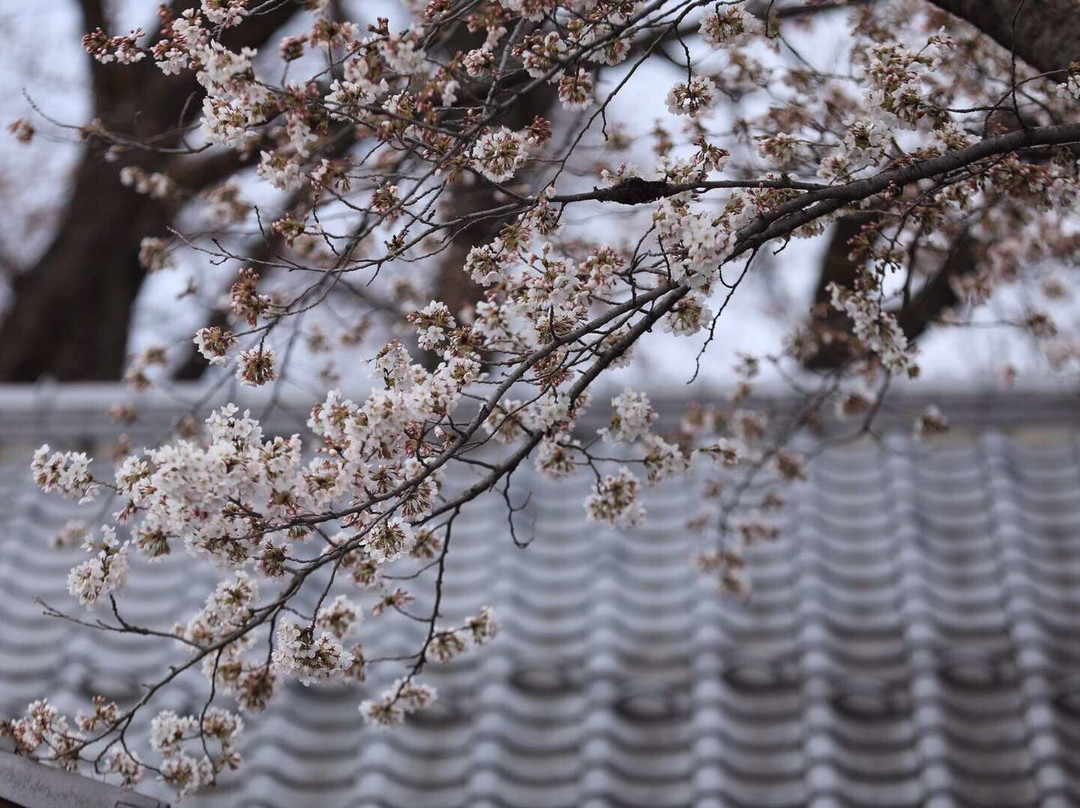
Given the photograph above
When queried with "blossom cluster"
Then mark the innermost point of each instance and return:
(103, 573)
(308, 658)
(632, 419)
(65, 472)
(173, 737)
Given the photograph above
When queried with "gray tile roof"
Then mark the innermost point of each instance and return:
(913, 639)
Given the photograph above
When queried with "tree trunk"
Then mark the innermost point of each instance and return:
(833, 328)
(72, 309)
(452, 286)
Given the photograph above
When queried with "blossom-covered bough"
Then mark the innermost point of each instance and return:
(932, 136)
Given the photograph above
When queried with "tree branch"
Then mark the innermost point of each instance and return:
(813, 205)
(636, 191)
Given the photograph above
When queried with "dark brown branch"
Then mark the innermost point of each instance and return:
(636, 191)
(813, 205)
(937, 296)
(792, 11)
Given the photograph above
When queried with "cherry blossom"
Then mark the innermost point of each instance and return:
(66, 472)
(499, 154)
(691, 98)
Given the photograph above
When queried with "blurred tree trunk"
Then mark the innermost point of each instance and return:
(72, 310)
(831, 327)
(1043, 33)
(919, 311)
(452, 286)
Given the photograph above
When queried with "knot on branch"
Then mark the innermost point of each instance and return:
(634, 191)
